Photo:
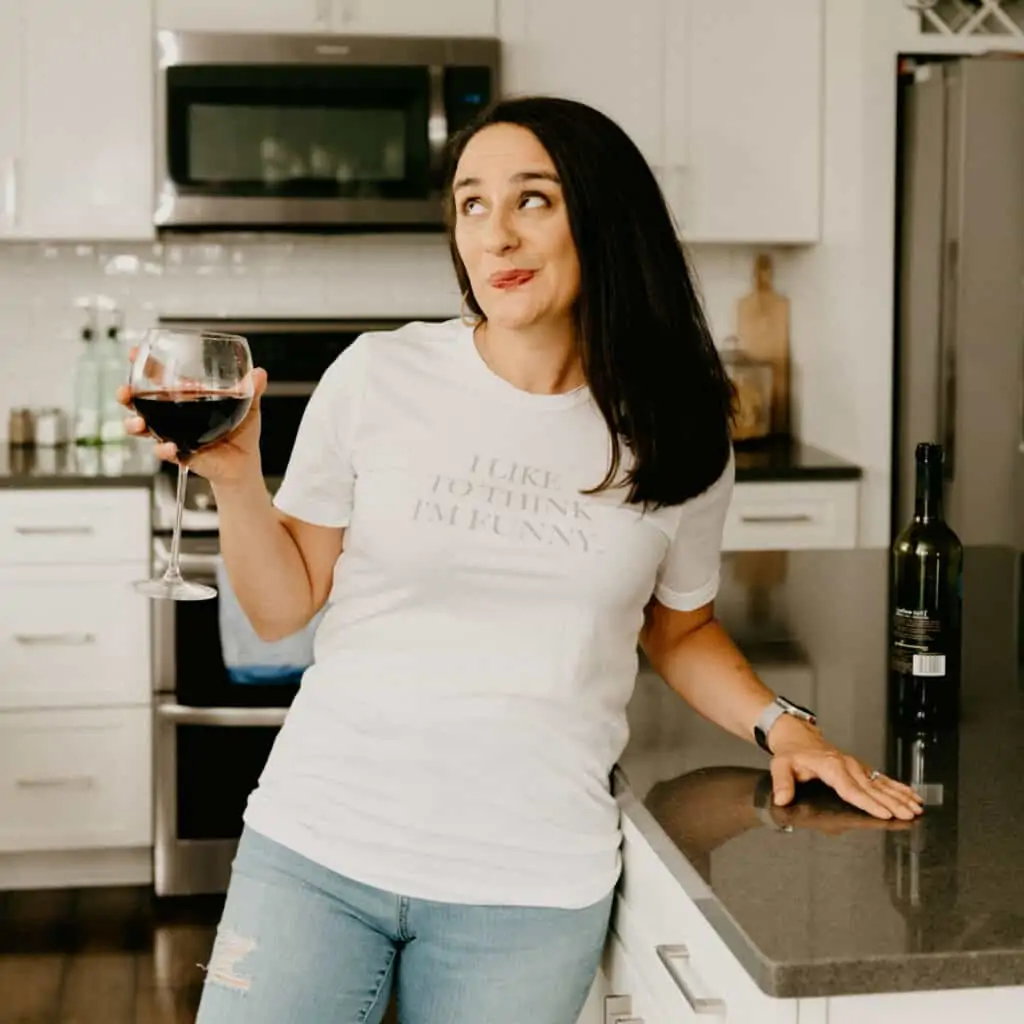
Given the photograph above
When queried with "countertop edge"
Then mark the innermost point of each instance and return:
(76, 483)
(809, 474)
(866, 976)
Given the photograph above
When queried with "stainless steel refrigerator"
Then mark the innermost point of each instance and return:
(959, 373)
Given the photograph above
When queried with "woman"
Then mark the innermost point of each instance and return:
(498, 507)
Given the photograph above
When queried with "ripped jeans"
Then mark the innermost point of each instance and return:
(299, 944)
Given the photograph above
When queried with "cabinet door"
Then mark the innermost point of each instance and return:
(10, 112)
(614, 62)
(415, 17)
(244, 15)
(75, 779)
(991, 1005)
(85, 168)
(743, 119)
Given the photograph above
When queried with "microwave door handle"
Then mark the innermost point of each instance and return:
(437, 122)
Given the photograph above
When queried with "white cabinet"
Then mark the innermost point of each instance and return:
(961, 1006)
(791, 515)
(82, 166)
(415, 17)
(75, 779)
(10, 114)
(244, 15)
(743, 124)
(73, 636)
(75, 670)
(613, 62)
(723, 97)
(364, 17)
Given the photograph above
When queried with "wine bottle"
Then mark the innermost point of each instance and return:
(88, 386)
(927, 597)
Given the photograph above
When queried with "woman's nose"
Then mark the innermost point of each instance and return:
(500, 234)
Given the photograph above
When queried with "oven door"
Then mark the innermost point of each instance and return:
(212, 737)
(208, 761)
(306, 130)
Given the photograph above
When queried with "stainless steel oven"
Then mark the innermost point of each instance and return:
(314, 132)
(212, 734)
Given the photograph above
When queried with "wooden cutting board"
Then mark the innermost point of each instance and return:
(762, 326)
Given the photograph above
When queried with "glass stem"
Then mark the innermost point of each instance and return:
(173, 573)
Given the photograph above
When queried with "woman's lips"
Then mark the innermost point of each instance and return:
(511, 278)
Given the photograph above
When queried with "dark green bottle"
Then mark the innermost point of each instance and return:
(927, 597)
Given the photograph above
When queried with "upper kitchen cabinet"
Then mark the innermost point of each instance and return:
(365, 17)
(415, 17)
(244, 15)
(607, 56)
(724, 98)
(81, 166)
(10, 114)
(743, 119)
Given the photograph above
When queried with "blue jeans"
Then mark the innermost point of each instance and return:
(299, 944)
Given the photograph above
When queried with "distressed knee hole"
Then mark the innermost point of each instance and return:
(229, 952)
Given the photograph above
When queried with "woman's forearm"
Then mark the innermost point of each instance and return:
(711, 674)
(263, 560)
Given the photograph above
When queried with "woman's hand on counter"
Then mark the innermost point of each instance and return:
(801, 754)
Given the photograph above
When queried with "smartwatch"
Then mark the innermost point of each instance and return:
(772, 713)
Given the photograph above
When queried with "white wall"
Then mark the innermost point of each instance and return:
(843, 287)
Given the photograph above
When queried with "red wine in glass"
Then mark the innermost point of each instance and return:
(191, 387)
(191, 419)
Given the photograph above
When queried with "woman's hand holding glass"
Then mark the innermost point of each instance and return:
(197, 393)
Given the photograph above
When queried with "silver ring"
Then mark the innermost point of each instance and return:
(876, 774)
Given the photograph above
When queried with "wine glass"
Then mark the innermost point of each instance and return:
(192, 388)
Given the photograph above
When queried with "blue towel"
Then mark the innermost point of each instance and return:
(247, 658)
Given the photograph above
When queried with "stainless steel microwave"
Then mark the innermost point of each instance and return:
(311, 132)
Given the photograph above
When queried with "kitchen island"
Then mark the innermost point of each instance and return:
(743, 912)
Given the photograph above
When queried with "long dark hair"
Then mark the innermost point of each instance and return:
(645, 346)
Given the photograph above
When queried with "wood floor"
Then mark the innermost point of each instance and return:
(102, 956)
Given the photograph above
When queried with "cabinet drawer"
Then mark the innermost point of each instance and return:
(40, 527)
(628, 994)
(74, 636)
(74, 779)
(652, 910)
(766, 516)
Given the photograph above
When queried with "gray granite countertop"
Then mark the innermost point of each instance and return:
(786, 458)
(130, 464)
(845, 904)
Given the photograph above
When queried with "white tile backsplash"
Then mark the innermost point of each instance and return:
(43, 288)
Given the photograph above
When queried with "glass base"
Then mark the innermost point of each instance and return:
(174, 590)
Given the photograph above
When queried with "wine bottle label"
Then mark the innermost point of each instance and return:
(929, 665)
(917, 643)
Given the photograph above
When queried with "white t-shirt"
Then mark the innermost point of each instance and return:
(454, 739)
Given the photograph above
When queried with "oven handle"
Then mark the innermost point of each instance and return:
(183, 715)
(188, 561)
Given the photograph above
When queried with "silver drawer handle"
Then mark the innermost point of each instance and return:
(795, 517)
(54, 531)
(55, 639)
(677, 959)
(57, 782)
(619, 1010)
(184, 715)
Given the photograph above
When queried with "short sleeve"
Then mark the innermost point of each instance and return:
(319, 481)
(688, 575)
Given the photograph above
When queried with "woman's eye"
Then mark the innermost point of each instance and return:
(533, 200)
(471, 206)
